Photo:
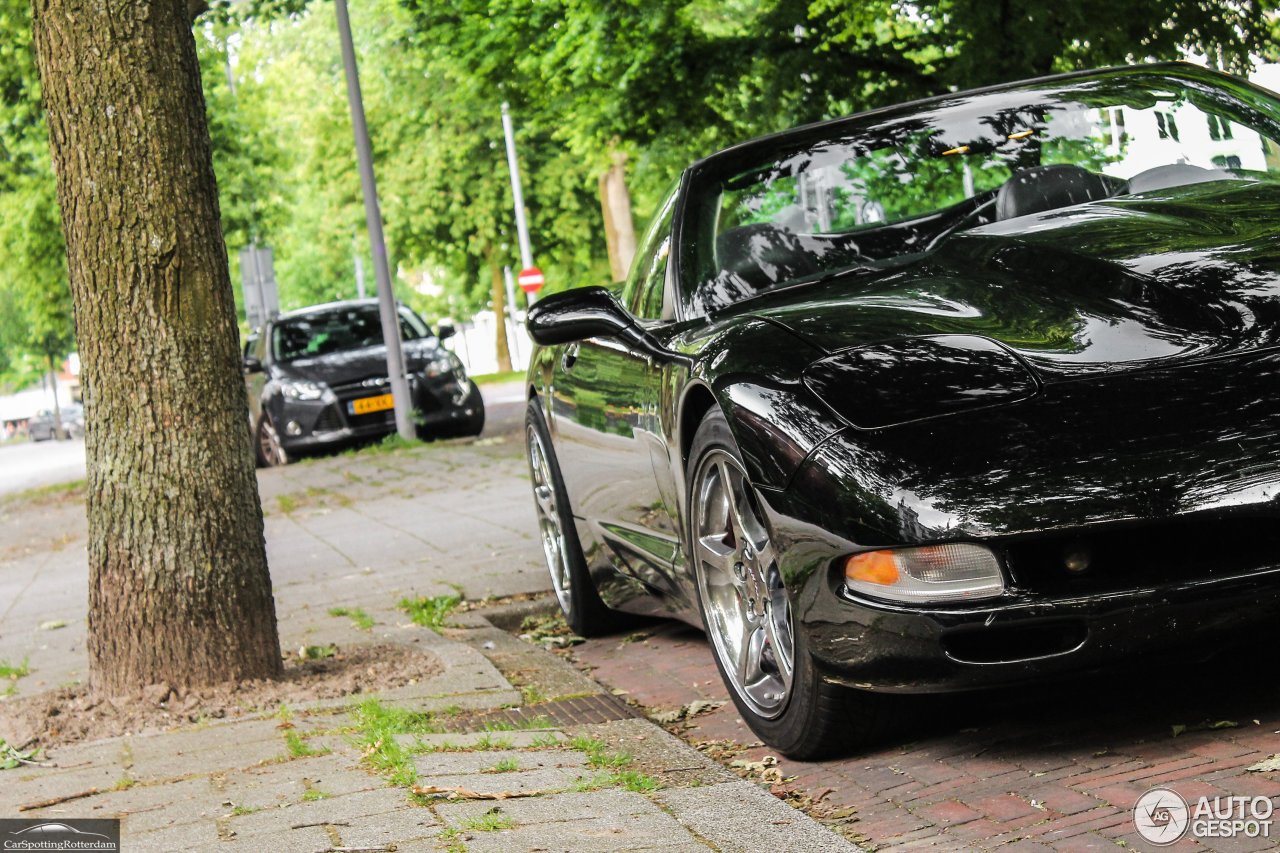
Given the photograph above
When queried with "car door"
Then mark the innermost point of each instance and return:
(605, 416)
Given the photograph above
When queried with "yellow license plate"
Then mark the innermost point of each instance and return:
(365, 405)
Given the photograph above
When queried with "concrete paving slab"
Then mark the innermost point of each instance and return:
(480, 762)
(523, 738)
(379, 801)
(569, 806)
(635, 832)
(541, 779)
(176, 839)
(739, 818)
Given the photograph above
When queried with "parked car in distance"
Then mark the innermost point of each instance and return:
(41, 427)
(972, 391)
(317, 377)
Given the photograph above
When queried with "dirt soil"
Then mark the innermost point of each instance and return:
(70, 715)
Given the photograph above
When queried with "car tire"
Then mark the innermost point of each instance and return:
(267, 446)
(583, 609)
(745, 605)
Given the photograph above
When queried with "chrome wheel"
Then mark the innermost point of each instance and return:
(553, 539)
(744, 601)
(273, 453)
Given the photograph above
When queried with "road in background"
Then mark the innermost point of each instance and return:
(34, 464)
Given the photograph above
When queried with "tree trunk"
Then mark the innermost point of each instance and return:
(178, 583)
(500, 313)
(615, 203)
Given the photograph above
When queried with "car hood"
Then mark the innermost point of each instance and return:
(340, 368)
(1132, 283)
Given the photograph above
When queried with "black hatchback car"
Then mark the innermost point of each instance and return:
(317, 378)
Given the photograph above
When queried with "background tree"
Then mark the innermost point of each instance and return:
(178, 584)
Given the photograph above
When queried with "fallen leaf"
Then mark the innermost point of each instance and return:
(1266, 765)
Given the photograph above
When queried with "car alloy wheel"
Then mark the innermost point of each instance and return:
(269, 446)
(553, 540)
(745, 603)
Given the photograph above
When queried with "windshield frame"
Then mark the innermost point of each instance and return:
(704, 179)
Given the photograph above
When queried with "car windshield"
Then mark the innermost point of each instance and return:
(885, 189)
(337, 329)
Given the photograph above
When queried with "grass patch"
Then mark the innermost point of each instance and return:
(358, 617)
(531, 695)
(631, 780)
(15, 671)
(311, 795)
(47, 494)
(430, 612)
(495, 378)
(598, 755)
(491, 821)
(299, 748)
(376, 727)
(506, 765)
(286, 503)
(317, 652)
(243, 810)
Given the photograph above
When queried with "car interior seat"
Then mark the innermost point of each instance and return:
(1042, 188)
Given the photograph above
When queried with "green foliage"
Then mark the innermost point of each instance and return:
(429, 612)
(659, 84)
(358, 617)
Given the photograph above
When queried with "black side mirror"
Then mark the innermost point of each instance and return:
(252, 364)
(444, 331)
(575, 315)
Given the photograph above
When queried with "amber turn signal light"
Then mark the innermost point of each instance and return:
(876, 567)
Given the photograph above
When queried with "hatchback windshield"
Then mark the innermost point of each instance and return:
(337, 329)
(887, 188)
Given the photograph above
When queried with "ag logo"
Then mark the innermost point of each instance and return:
(1161, 816)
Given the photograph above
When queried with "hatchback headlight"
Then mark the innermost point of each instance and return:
(932, 574)
(301, 389)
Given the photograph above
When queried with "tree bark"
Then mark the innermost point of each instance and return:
(615, 204)
(178, 584)
(499, 290)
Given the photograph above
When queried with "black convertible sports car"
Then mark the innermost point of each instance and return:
(317, 377)
(971, 391)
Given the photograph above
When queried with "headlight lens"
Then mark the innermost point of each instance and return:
(935, 573)
(443, 364)
(301, 389)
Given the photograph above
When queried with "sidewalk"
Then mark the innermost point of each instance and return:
(572, 771)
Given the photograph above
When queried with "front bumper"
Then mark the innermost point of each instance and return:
(440, 404)
(890, 648)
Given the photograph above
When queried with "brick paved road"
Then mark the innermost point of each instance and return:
(1050, 769)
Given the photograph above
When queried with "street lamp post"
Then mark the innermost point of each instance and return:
(373, 219)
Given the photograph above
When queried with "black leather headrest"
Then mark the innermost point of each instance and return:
(1044, 188)
(764, 254)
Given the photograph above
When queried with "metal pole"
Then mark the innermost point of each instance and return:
(373, 219)
(522, 227)
(360, 276)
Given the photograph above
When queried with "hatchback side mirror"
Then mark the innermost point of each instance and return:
(444, 331)
(252, 364)
(575, 315)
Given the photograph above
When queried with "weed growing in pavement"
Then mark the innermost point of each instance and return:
(631, 780)
(299, 748)
(286, 503)
(376, 728)
(506, 765)
(14, 672)
(311, 795)
(429, 612)
(243, 810)
(532, 695)
(317, 652)
(358, 617)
